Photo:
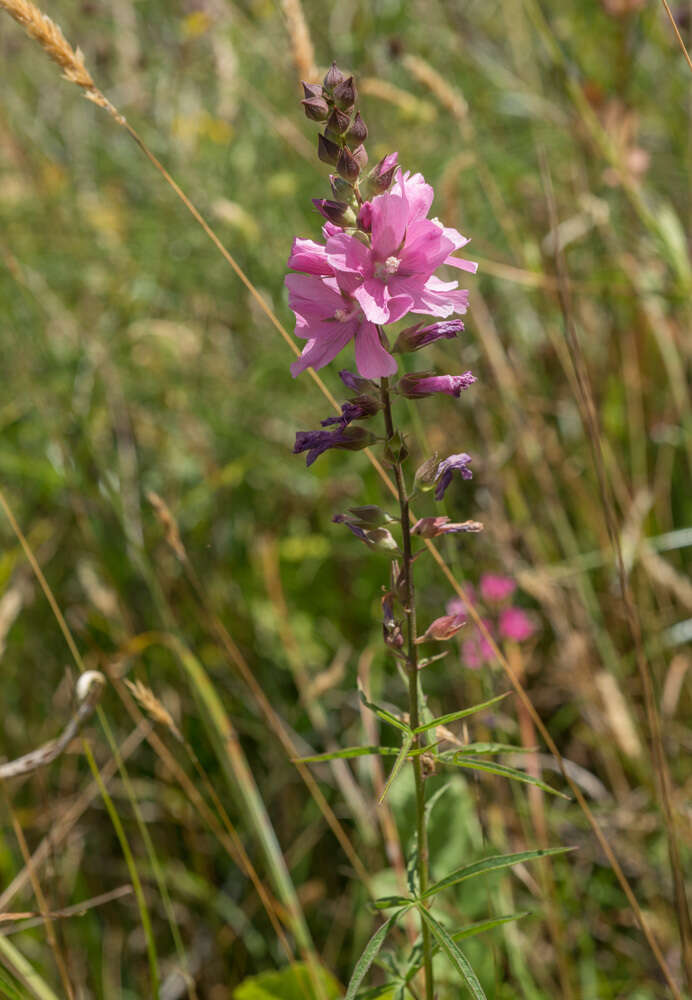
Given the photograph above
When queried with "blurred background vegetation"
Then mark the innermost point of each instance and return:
(134, 361)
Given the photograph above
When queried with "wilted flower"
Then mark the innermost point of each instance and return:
(417, 385)
(345, 438)
(443, 628)
(445, 470)
(431, 527)
(355, 409)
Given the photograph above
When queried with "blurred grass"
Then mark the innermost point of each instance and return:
(135, 361)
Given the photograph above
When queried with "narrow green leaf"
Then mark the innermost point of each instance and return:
(386, 902)
(383, 714)
(442, 720)
(454, 954)
(492, 767)
(405, 747)
(481, 748)
(347, 752)
(479, 927)
(368, 956)
(493, 864)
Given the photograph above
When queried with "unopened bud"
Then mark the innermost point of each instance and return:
(382, 174)
(316, 109)
(337, 212)
(311, 89)
(426, 473)
(327, 150)
(334, 76)
(345, 93)
(341, 189)
(360, 155)
(365, 216)
(358, 131)
(347, 165)
(395, 450)
(443, 628)
(370, 516)
(338, 121)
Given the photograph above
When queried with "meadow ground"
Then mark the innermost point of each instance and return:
(147, 416)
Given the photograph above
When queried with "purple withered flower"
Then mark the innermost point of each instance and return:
(431, 527)
(445, 470)
(496, 588)
(345, 438)
(417, 385)
(337, 212)
(418, 336)
(359, 408)
(356, 382)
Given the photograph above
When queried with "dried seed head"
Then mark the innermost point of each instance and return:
(316, 109)
(334, 77)
(347, 165)
(338, 121)
(345, 94)
(328, 151)
(358, 131)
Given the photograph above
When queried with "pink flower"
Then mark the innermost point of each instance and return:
(417, 385)
(515, 624)
(496, 588)
(329, 319)
(476, 650)
(443, 628)
(394, 274)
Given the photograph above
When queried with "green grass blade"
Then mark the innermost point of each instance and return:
(14, 958)
(502, 770)
(496, 863)
(443, 720)
(131, 867)
(454, 953)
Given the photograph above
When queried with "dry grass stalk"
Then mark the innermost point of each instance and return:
(153, 707)
(448, 97)
(301, 42)
(51, 39)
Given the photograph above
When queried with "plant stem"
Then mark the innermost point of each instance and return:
(412, 670)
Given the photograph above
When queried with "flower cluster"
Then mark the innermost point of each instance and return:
(502, 619)
(380, 252)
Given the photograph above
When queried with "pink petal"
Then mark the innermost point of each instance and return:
(312, 296)
(389, 220)
(418, 194)
(373, 298)
(496, 588)
(319, 352)
(372, 360)
(464, 265)
(345, 253)
(515, 624)
(310, 257)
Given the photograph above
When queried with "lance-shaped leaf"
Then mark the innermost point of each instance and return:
(454, 953)
(347, 752)
(405, 747)
(443, 720)
(481, 748)
(492, 767)
(387, 902)
(371, 949)
(494, 864)
(479, 927)
(383, 714)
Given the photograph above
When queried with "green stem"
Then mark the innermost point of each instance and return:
(412, 671)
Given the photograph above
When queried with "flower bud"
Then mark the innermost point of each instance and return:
(337, 212)
(341, 189)
(431, 527)
(426, 474)
(360, 155)
(365, 216)
(338, 121)
(418, 385)
(316, 108)
(311, 89)
(370, 516)
(356, 382)
(415, 337)
(327, 150)
(345, 94)
(443, 628)
(358, 130)
(347, 165)
(395, 450)
(334, 76)
(382, 174)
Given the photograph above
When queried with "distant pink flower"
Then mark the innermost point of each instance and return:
(329, 319)
(476, 650)
(515, 624)
(496, 588)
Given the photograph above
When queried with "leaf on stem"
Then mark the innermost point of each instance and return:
(383, 714)
(443, 720)
(454, 953)
(479, 927)
(458, 759)
(405, 747)
(496, 863)
(368, 955)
